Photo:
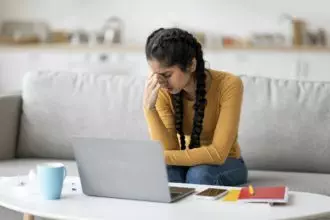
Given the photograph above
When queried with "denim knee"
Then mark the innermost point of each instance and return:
(200, 175)
(176, 174)
(232, 173)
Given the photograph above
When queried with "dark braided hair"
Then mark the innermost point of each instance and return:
(174, 46)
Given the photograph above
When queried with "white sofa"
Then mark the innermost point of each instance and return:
(284, 131)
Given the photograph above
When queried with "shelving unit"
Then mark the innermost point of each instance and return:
(140, 48)
(281, 49)
(299, 63)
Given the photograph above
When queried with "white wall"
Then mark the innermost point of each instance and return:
(214, 16)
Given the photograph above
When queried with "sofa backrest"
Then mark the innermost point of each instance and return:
(59, 105)
(285, 125)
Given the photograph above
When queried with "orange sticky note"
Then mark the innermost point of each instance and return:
(251, 190)
(232, 195)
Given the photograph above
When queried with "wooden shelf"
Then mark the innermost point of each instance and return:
(280, 49)
(140, 48)
(72, 48)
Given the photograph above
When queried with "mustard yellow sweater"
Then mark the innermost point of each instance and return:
(220, 126)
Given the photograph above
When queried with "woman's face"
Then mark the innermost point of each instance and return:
(172, 79)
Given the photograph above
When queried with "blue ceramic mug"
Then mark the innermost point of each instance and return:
(51, 177)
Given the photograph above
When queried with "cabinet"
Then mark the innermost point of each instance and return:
(96, 62)
(226, 61)
(307, 66)
(298, 65)
(13, 65)
(275, 65)
(12, 68)
(315, 67)
(257, 63)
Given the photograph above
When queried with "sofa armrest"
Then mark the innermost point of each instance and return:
(10, 108)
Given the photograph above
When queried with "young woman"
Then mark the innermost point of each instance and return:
(193, 111)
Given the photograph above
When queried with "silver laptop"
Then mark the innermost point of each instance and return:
(125, 169)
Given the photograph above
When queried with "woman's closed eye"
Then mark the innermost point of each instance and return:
(163, 78)
(167, 76)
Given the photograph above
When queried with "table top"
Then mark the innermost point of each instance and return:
(75, 205)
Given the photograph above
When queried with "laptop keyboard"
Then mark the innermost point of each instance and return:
(176, 191)
(175, 194)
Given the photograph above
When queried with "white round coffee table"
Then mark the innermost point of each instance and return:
(76, 206)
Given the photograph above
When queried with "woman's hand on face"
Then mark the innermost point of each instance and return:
(162, 81)
(151, 90)
(154, 83)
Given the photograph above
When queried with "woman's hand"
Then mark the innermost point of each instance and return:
(151, 90)
(153, 84)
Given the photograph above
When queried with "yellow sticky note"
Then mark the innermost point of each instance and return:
(232, 195)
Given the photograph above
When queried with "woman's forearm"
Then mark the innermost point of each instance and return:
(159, 132)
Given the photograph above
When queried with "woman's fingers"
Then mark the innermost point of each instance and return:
(155, 79)
(154, 92)
(153, 82)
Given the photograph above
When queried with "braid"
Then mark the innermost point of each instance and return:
(177, 47)
(151, 36)
(200, 102)
(151, 39)
(178, 108)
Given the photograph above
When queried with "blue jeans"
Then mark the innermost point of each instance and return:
(232, 173)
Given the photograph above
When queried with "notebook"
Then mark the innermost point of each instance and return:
(273, 194)
(232, 195)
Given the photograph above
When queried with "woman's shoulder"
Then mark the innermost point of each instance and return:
(164, 98)
(224, 80)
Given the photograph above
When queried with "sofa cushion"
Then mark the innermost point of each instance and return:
(9, 214)
(59, 105)
(285, 125)
(304, 182)
(9, 122)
